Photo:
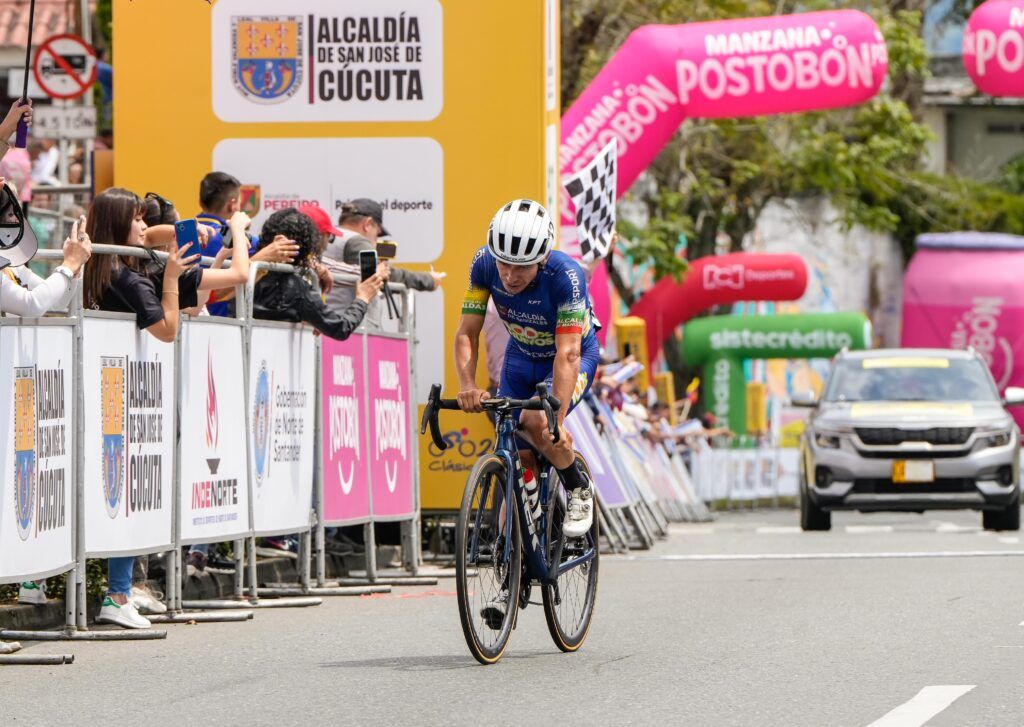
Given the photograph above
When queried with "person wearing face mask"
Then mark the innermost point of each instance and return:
(360, 225)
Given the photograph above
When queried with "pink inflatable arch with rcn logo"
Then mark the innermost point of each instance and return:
(664, 74)
(980, 305)
(718, 280)
(993, 49)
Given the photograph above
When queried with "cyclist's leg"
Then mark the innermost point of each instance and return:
(535, 423)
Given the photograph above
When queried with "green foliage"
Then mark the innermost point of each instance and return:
(1011, 176)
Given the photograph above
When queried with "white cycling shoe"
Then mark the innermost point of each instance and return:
(579, 516)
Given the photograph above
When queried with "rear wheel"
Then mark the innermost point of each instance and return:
(569, 618)
(487, 562)
(1006, 519)
(812, 517)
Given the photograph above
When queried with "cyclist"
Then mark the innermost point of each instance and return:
(541, 296)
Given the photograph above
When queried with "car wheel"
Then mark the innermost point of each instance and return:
(812, 517)
(1008, 519)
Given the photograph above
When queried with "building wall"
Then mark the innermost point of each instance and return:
(973, 141)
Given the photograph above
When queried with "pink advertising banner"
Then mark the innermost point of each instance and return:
(346, 484)
(993, 49)
(391, 468)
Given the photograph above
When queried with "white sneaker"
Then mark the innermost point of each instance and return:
(580, 514)
(127, 616)
(145, 601)
(9, 647)
(32, 593)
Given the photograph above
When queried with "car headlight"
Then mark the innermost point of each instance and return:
(998, 438)
(826, 441)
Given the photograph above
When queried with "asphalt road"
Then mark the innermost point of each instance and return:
(745, 621)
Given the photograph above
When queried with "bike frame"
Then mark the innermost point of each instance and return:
(534, 534)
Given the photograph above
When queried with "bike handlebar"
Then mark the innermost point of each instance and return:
(544, 402)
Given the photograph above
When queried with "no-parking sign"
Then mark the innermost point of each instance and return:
(65, 66)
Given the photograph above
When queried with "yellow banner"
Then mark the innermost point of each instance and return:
(441, 110)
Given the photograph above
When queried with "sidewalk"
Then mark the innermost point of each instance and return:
(205, 585)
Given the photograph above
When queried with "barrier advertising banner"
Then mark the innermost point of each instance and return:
(214, 496)
(281, 384)
(390, 450)
(36, 450)
(345, 467)
(588, 442)
(128, 392)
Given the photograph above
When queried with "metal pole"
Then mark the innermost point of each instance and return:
(318, 469)
(369, 535)
(79, 376)
(174, 575)
(415, 526)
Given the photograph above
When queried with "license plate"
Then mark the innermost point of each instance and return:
(913, 470)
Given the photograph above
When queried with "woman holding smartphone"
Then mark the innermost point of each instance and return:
(154, 292)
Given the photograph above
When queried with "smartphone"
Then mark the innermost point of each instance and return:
(367, 264)
(186, 232)
(387, 249)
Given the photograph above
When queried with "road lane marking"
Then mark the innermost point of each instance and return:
(925, 705)
(827, 556)
(1009, 541)
(862, 529)
(943, 526)
(778, 530)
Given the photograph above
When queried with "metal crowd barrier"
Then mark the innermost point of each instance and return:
(148, 457)
(368, 467)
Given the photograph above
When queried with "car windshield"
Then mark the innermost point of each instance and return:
(910, 379)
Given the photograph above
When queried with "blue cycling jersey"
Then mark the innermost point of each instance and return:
(555, 302)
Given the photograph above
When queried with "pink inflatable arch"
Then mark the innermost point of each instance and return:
(718, 280)
(993, 49)
(664, 74)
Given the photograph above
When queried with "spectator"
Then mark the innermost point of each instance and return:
(219, 200)
(15, 164)
(154, 293)
(45, 158)
(362, 223)
(219, 195)
(25, 294)
(292, 297)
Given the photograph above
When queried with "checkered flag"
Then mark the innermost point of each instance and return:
(593, 192)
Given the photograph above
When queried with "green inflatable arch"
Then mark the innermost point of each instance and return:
(722, 343)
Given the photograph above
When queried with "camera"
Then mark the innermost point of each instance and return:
(387, 249)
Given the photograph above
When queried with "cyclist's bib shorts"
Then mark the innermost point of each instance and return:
(521, 374)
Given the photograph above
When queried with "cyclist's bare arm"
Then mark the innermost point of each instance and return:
(566, 369)
(467, 352)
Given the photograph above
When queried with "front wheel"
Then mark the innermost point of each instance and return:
(569, 618)
(488, 559)
(812, 517)
(1008, 519)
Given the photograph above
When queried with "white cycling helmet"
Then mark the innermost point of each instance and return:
(521, 233)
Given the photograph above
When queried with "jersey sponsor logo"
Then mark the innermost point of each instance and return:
(525, 319)
(530, 336)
